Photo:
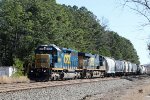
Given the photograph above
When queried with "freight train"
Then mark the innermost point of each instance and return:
(55, 63)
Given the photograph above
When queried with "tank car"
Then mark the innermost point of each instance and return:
(119, 67)
(134, 68)
(142, 69)
(126, 68)
(130, 68)
(110, 66)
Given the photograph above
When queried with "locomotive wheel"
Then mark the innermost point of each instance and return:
(88, 75)
(75, 77)
(57, 78)
(62, 79)
(52, 79)
(102, 75)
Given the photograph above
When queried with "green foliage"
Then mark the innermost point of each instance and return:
(25, 24)
(18, 64)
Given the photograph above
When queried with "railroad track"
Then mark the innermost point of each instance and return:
(134, 77)
(35, 85)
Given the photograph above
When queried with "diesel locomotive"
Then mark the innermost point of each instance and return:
(55, 63)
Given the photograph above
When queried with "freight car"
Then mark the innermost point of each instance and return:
(142, 69)
(134, 68)
(126, 68)
(130, 67)
(55, 63)
(119, 67)
(110, 66)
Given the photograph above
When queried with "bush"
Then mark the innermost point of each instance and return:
(18, 64)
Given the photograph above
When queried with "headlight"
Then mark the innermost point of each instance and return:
(44, 70)
(31, 71)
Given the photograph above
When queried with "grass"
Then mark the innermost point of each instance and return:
(8, 80)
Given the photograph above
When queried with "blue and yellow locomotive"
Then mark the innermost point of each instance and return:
(54, 63)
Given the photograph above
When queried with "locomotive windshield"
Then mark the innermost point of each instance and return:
(42, 60)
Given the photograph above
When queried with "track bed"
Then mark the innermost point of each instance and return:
(86, 89)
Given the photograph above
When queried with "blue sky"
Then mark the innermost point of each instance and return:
(124, 21)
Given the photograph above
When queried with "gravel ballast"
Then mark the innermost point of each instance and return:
(68, 92)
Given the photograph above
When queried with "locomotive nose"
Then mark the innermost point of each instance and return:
(42, 61)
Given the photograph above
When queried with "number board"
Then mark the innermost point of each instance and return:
(45, 48)
(67, 59)
(91, 60)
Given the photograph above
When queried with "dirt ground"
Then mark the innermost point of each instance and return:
(139, 90)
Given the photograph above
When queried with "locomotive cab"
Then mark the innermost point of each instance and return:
(45, 59)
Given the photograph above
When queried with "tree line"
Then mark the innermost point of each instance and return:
(25, 24)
